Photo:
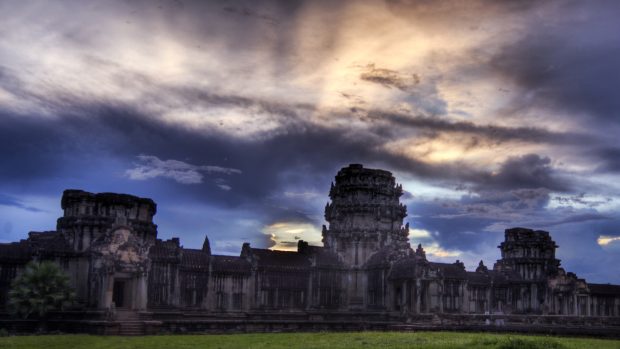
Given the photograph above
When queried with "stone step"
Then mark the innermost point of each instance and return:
(127, 316)
(131, 328)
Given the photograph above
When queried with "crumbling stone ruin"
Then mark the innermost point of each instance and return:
(365, 273)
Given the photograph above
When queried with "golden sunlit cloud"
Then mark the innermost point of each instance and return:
(605, 240)
(434, 250)
(419, 234)
(456, 146)
(431, 246)
(285, 235)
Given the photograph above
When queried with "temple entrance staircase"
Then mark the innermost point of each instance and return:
(131, 323)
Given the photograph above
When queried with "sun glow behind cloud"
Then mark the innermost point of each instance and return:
(285, 235)
(329, 57)
(328, 62)
(605, 240)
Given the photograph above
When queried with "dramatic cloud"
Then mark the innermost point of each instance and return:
(528, 171)
(182, 172)
(235, 117)
(286, 235)
(6, 200)
(605, 240)
(566, 63)
(389, 78)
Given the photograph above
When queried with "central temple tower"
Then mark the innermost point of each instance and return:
(364, 215)
(365, 223)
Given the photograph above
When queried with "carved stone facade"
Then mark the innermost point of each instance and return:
(108, 244)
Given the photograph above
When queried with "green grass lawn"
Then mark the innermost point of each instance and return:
(311, 340)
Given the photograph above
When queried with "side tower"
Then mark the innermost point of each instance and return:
(89, 216)
(111, 235)
(529, 255)
(365, 215)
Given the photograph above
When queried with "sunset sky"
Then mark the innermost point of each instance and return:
(234, 116)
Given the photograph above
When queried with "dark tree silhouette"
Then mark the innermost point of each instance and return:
(41, 288)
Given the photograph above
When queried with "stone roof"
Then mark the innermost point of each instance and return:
(525, 237)
(48, 242)
(504, 277)
(280, 259)
(165, 251)
(230, 264)
(15, 252)
(323, 257)
(359, 169)
(478, 278)
(73, 195)
(194, 259)
(604, 289)
(449, 270)
(404, 268)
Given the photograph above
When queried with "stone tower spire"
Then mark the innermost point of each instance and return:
(364, 215)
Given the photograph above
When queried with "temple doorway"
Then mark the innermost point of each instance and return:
(120, 295)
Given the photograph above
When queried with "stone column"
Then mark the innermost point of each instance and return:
(575, 305)
(465, 303)
(403, 296)
(141, 294)
(441, 297)
(308, 294)
(417, 295)
(363, 293)
(109, 290)
(176, 293)
(533, 297)
(390, 296)
(488, 304)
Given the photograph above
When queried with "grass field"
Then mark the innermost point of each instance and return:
(310, 340)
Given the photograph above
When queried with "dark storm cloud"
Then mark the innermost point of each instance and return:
(244, 11)
(576, 235)
(7, 200)
(493, 202)
(514, 177)
(572, 219)
(518, 193)
(580, 252)
(610, 158)
(129, 125)
(31, 148)
(36, 149)
(447, 8)
(463, 223)
(582, 199)
(475, 224)
(496, 134)
(568, 63)
(463, 233)
(527, 171)
(389, 78)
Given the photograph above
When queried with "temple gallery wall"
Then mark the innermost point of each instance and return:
(365, 272)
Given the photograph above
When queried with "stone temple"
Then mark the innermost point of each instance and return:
(366, 274)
